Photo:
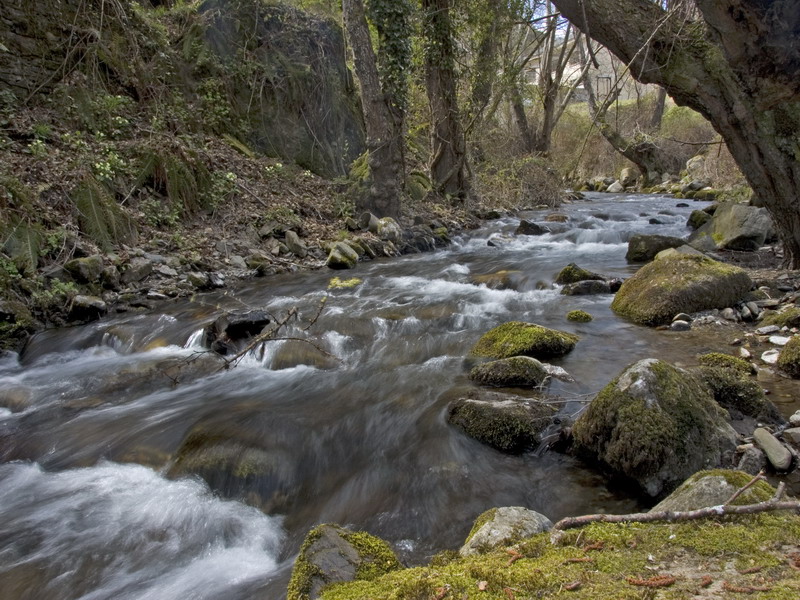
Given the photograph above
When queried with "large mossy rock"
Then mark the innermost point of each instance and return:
(505, 422)
(656, 425)
(332, 554)
(643, 247)
(516, 338)
(342, 256)
(789, 359)
(517, 371)
(572, 273)
(735, 227)
(713, 488)
(679, 283)
(502, 527)
(741, 396)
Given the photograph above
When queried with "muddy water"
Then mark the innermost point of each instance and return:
(97, 499)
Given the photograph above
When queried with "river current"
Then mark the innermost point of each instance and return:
(97, 502)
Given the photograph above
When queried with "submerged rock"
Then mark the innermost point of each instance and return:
(579, 316)
(334, 554)
(227, 331)
(516, 338)
(682, 283)
(656, 425)
(643, 247)
(499, 280)
(502, 527)
(530, 228)
(586, 288)
(517, 371)
(505, 422)
(572, 273)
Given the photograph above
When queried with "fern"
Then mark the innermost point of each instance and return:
(100, 217)
(23, 245)
(185, 181)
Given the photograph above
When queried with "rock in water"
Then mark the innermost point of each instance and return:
(502, 527)
(642, 247)
(657, 425)
(333, 554)
(572, 273)
(517, 371)
(516, 338)
(679, 283)
(342, 256)
(530, 228)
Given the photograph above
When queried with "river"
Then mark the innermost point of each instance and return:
(98, 501)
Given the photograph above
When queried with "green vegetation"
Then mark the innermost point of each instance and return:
(579, 316)
(726, 361)
(516, 338)
(789, 359)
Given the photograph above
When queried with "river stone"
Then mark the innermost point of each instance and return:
(713, 488)
(530, 228)
(586, 288)
(85, 270)
(685, 249)
(556, 218)
(779, 340)
(697, 219)
(794, 420)
(777, 454)
(517, 371)
(676, 284)
(499, 280)
(87, 308)
(680, 325)
(389, 230)
(643, 247)
(789, 358)
(656, 425)
(753, 460)
(628, 177)
(572, 273)
(767, 330)
(15, 398)
(136, 270)
(342, 256)
(516, 338)
(502, 527)
(333, 554)
(505, 422)
(771, 356)
(792, 435)
(227, 331)
(293, 353)
(615, 188)
(736, 227)
(734, 391)
(368, 222)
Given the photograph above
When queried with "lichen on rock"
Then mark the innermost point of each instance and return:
(516, 338)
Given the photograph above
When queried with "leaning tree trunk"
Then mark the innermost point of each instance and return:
(449, 169)
(384, 123)
(739, 66)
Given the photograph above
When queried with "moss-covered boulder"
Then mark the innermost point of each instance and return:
(505, 422)
(579, 316)
(643, 247)
(85, 269)
(332, 554)
(786, 317)
(517, 371)
(734, 391)
(342, 256)
(656, 425)
(679, 283)
(726, 361)
(502, 527)
(697, 219)
(572, 273)
(713, 488)
(516, 338)
(735, 227)
(789, 359)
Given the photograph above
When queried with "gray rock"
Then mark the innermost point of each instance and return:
(530, 228)
(792, 435)
(707, 489)
(768, 329)
(342, 256)
(198, 279)
(586, 288)
(779, 340)
(729, 314)
(109, 277)
(295, 244)
(368, 222)
(227, 330)
(136, 270)
(238, 261)
(680, 325)
(794, 420)
(737, 227)
(166, 271)
(682, 317)
(501, 527)
(517, 371)
(87, 308)
(753, 460)
(389, 230)
(642, 248)
(615, 188)
(628, 177)
(777, 454)
(771, 356)
(216, 280)
(686, 249)
(85, 270)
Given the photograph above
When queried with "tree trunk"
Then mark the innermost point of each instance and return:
(384, 123)
(521, 119)
(658, 110)
(449, 169)
(739, 66)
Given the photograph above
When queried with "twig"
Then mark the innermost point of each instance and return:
(759, 476)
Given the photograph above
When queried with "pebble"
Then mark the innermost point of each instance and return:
(729, 314)
(768, 329)
(680, 325)
(771, 356)
(792, 435)
(794, 420)
(779, 340)
(777, 454)
(745, 353)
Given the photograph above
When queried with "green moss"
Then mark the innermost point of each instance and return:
(789, 317)
(482, 520)
(522, 371)
(679, 283)
(726, 361)
(628, 550)
(516, 338)
(572, 273)
(733, 391)
(789, 359)
(579, 316)
(303, 572)
(337, 283)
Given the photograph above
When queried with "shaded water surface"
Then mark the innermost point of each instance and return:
(135, 468)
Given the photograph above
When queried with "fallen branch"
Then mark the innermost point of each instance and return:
(773, 504)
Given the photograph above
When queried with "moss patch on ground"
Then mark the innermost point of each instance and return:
(516, 338)
(726, 361)
(602, 560)
(789, 317)
(789, 359)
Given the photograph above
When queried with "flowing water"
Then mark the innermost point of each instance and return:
(111, 420)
